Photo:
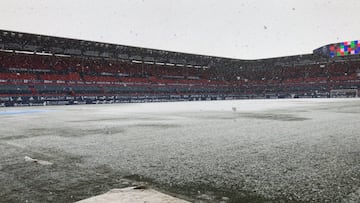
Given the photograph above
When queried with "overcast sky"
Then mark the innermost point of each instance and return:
(245, 29)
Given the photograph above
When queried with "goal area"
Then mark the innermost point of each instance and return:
(344, 93)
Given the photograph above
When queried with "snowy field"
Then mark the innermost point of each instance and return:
(300, 150)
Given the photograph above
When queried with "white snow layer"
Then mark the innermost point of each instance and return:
(302, 149)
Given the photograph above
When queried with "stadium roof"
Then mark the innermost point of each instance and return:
(19, 41)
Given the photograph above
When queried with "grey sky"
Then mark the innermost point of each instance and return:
(245, 29)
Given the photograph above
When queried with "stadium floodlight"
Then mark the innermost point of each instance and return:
(136, 61)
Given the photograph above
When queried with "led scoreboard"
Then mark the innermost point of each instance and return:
(340, 49)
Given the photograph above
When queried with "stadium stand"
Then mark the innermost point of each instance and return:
(38, 70)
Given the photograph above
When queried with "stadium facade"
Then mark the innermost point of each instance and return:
(45, 70)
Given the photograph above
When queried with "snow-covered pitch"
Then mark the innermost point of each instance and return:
(258, 150)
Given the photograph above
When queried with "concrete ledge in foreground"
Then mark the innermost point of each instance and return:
(131, 194)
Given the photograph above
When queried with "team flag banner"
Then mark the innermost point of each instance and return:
(344, 48)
